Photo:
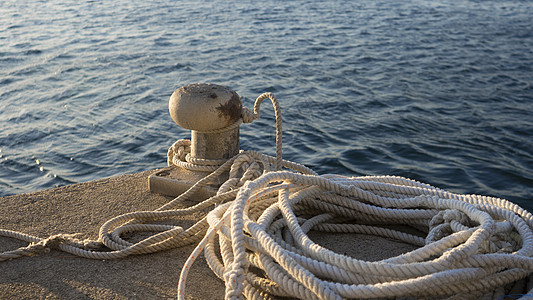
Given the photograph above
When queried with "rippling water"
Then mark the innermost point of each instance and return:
(438, 91)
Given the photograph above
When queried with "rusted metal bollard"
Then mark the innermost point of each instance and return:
(210, 111)
(206, 109)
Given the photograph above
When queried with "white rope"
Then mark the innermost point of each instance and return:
(260, 217)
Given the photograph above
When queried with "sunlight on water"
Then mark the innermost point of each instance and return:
(438, 91)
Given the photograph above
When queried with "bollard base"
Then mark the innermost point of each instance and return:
(173, 181)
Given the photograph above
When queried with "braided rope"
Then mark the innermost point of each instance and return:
(261, 215)
(456, 262)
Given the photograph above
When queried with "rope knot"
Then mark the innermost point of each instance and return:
(445, 223)
(234, 284)
(44, 245)
(248, 116)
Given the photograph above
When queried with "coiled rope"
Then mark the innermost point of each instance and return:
(255, 237)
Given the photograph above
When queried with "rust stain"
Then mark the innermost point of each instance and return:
(232, 109)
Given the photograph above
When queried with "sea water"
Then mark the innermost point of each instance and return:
(439, 91)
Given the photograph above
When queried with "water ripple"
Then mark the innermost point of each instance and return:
(439, 91)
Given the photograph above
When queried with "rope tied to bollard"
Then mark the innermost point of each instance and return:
(179, 153)
(261, 216)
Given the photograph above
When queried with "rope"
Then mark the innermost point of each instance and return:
(255, 235)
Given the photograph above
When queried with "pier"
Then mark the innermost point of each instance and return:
(266, 226)
(83, 208)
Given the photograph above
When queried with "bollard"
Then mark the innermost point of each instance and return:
(208, 110)
(211, 112)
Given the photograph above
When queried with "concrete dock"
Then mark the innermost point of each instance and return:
(83, 208)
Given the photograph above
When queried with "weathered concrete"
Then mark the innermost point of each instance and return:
(83, 208)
